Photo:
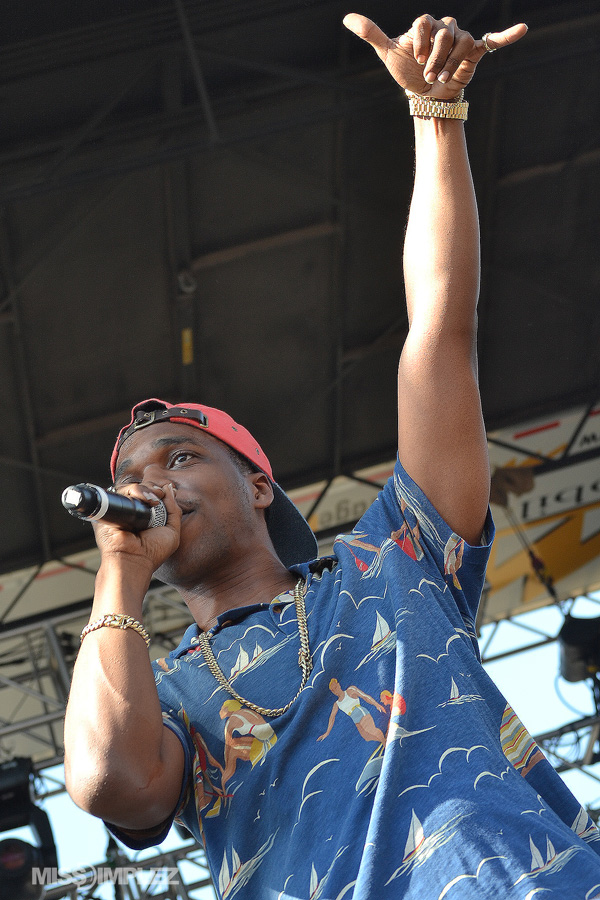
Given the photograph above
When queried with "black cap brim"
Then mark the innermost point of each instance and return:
(291, 534)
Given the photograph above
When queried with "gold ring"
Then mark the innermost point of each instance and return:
(485, 43)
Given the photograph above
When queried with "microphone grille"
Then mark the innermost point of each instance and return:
(159, 516)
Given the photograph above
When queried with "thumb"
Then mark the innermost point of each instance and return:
(497, 39)
(367, 30)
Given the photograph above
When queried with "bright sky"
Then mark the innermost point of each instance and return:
(529, 681)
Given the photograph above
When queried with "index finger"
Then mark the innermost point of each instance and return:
(421, 34)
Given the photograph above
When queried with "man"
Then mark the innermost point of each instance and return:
(229, 731)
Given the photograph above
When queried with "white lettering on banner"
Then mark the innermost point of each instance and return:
(560, 490)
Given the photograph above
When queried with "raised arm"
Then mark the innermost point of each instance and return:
(441, 436)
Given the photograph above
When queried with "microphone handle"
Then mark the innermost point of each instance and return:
(92, 504)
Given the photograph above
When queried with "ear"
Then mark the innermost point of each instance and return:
(262, 490)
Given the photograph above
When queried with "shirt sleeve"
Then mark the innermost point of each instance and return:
(402, 513)
(145, 840)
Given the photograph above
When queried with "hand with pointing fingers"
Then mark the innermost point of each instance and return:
(435, 57)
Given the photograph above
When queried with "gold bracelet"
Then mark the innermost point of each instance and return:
(419, 105)
(116, 620)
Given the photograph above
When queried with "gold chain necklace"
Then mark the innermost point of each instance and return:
(304, 658)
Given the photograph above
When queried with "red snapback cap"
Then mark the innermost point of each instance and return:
(291, 534)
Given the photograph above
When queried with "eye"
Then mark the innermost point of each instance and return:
(180, 457)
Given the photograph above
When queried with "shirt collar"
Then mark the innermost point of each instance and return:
(189, 640)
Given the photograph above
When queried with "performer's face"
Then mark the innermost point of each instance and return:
(215, 497)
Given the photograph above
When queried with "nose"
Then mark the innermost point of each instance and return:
(154, 474)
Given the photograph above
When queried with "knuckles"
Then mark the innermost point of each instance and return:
(445, 29)
(145, 491)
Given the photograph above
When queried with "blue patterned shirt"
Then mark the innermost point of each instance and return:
(400, 771)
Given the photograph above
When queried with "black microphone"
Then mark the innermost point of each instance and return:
(93, 503)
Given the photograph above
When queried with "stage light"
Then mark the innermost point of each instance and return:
(18, 859)
(579, 642)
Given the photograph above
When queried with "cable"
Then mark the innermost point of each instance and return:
(573, 709)
(537, 563)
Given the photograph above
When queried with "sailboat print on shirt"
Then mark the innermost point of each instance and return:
(232, 880)
(554, 861)
(584, 827)
(456, 697)
(384, 640)
(420, 847)
(415, 839)
(243, 660)
(317, 885)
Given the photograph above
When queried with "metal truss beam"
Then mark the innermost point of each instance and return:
(36, 660)
(573, 746)
(199, 79)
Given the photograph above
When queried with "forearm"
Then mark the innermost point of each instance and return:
(441, 250)
(441, 436)
(113, 726)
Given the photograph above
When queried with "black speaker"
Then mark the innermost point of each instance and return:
(18, 859)
(579, 642)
